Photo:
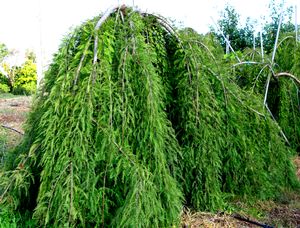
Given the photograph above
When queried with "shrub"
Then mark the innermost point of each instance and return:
(25, 79)
(4, 88)
(25, 89)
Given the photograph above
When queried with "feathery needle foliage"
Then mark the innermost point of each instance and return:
(134, 121)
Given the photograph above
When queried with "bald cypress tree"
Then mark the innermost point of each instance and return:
(134, 121)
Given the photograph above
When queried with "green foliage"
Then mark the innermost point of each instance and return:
(4, 88)
(283, 92)
(271, 27)
(25, 78)
(11, 219)
(8, 219)
(287, 110)
(133, 122)
(220, 146)
(8, 79)
(240, 37)
(20, 79)
(5, 80)
(25, 89)
(104, 169)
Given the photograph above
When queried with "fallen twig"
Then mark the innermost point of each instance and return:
(10, 128)
(241, 218)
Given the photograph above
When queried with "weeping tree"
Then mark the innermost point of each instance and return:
(135, 120)
(288, 84)
(276, 82)
(223, 151)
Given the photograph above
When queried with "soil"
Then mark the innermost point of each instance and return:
(208, 220)
(13, 112)
(297, 164)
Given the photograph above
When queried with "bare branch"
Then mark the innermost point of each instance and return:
(288, 75)
(277, 35)
(281, 131)
(247, 62)
(226, 40)
(267, 88)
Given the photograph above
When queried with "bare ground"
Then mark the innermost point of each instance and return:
(13, 111)
(285, 213)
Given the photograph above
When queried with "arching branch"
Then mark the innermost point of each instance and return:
(285, 74)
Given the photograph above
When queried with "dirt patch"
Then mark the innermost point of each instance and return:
(220, 220)
(285, 216)
(13, 111)
(297, 164)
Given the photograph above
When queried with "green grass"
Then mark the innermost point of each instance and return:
(9, 95)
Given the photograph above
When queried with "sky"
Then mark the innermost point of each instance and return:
(40, 25)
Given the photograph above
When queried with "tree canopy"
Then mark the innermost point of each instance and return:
(19, 79)
(135, 120)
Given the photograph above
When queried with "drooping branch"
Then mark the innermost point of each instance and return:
(288, 75)
(247, 63)
(267, 88)
(277, 36)
(280, 130)
(164, 23)
(98, 25)
(226, 40)
(285, 38)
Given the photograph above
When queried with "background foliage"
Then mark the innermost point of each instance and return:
(242, 36)
(18, 79)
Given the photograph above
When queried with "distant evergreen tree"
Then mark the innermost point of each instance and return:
(229, 23)
(271, 27)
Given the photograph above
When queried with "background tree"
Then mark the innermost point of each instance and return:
(271, 27)
(18, 79)
(229, 23)
(241, 36)
(9, 78)
(26, 77)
